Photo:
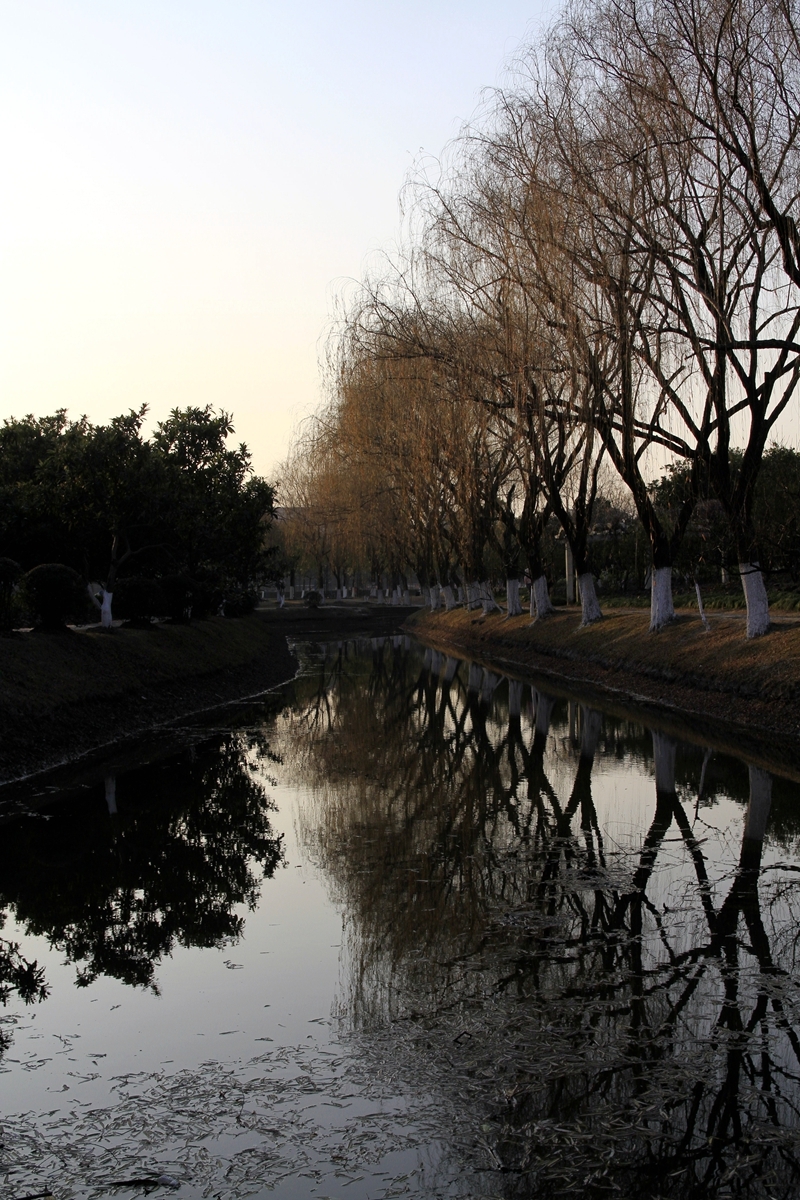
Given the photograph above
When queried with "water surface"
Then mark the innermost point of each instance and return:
(404, 927)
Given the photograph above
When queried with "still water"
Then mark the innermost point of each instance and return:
(402, 928)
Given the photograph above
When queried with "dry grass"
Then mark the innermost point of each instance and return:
(40, 672)
(719, 660)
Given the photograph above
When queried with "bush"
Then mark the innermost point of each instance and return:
(55, 593)
(139, 600)
(10, 573)
(178, 592)
(239, 603)
(207, 596)
(312, 599)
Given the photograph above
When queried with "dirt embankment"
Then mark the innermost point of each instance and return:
(713, 683)
(63, 695)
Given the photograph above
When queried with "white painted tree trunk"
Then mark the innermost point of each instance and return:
(473, 596)
(111, 794)
(541, 606)
(755, 822)
(487, 598)
(514, 697)
(590, 607)
(105, 609)
(662, 610)
(406, 599)
(513, 606)
(460, 594)
(755, 595)
(475, 678)
(436, 597)
(664, 753)
(701, 610)
(449, 598)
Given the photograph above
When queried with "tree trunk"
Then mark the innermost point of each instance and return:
(541, 606)
(473, 596)
(755, 594)
(111, 794)
(513, 606)
(590, 607)
(487, 598)
(105, 609)
(662, 610)
(449, 598)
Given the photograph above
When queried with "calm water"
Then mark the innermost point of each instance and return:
(404, 928)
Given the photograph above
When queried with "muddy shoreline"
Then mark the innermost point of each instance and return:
(667, 679)
(68, 696)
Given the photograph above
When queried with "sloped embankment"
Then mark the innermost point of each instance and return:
(713, 683)
(64, 694)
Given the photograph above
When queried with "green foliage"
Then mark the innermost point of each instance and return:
(178, 593)
(10, 573)
(55, 593)
(111, 504)
(139, 600)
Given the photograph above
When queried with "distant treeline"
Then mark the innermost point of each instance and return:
(168, 525)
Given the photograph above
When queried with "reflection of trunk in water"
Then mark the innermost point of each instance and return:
(472, 827)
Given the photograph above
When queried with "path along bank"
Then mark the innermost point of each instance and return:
(710, 686)
(63, 695)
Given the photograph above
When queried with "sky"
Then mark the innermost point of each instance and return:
(187, 185)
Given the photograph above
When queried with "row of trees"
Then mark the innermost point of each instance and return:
(602, 277)
(164, 518)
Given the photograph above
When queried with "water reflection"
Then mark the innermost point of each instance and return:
(611, 977)
(574, 932)
(162, 855)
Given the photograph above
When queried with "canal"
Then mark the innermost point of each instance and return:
(403, 927)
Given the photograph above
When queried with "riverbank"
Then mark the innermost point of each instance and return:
(710, 686)
(64, 695)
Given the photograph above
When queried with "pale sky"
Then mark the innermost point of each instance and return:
(186, 184)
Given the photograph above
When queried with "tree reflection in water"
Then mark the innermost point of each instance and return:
(624, 1008)
(160, 857)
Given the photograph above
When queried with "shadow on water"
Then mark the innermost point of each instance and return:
(578, 933)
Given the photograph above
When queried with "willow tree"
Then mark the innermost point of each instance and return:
(708, 96)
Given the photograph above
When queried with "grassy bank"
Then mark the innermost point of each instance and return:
(746, 689)
(63, 694)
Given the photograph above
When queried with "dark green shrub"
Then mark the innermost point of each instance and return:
(10, 574)
(139, 600)
(55, 594)
(207, 596)
(239, 603)
(312, 599)
(178, 592)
